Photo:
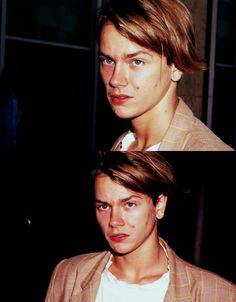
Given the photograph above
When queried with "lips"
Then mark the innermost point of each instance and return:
(118, 237)
(119, 99)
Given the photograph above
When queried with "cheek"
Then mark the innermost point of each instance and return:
(104, 72)
(146, 82)
(151, 218)
(132, 220)
(141, 219)
(101, 221)
(165, 76)
(140, 80)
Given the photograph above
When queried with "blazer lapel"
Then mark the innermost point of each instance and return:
(179, 287)
(178, 130)
(90, 285)
(88, 294)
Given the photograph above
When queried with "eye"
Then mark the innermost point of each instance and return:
(106, 61)
(138, 62)
(102, 207)
(130, 205)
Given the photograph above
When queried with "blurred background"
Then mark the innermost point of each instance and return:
(51, 95)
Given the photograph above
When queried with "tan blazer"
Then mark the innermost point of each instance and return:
(186, 133)
(77, 279)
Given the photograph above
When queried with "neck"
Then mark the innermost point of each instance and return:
(151, 127)
(140, 269)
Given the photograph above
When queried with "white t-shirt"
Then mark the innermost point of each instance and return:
(130, 138)
(112, 289)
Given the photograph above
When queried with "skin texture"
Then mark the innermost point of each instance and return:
(128, 222)
(139, 84)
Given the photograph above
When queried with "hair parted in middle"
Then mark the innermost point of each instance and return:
(163, 26)
(145, 172)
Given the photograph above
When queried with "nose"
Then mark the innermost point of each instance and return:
(118, 77)
(116, 218)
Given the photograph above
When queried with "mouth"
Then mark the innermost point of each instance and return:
(118, 237)
(119, 99)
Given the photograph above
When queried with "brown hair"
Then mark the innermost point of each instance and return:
(144, 172)
(163, 26)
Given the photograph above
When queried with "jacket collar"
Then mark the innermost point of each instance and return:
(90, 284)
(178, 130)
(178, 289)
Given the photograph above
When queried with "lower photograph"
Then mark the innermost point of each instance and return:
(120, 226)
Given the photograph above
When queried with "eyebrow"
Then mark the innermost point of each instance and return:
(120, 200)
(137, 53)
(128, 55)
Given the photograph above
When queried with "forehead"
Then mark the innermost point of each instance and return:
(104, 185)
(114, 43)
(107, 190)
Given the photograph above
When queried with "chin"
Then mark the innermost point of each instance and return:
(123, 115)
(119, 250)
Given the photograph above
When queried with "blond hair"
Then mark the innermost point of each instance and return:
(145, 172)
(163, 26)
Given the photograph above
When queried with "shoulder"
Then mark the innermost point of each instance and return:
(207, 284)
(199, 274)
(201, 138)
(70, 274)
(198, 137)
(80, 262)
(187, 279)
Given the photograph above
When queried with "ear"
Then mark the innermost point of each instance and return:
(161, 206)
(176, 74)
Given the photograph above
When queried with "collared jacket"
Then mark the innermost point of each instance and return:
(77, 279)
(186, 133)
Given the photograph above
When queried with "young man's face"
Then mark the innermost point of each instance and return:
(136, 79)
(127, 218)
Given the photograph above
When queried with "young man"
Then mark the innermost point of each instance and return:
(131, 191)
(145, 46)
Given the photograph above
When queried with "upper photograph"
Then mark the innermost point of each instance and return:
(135, 75)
